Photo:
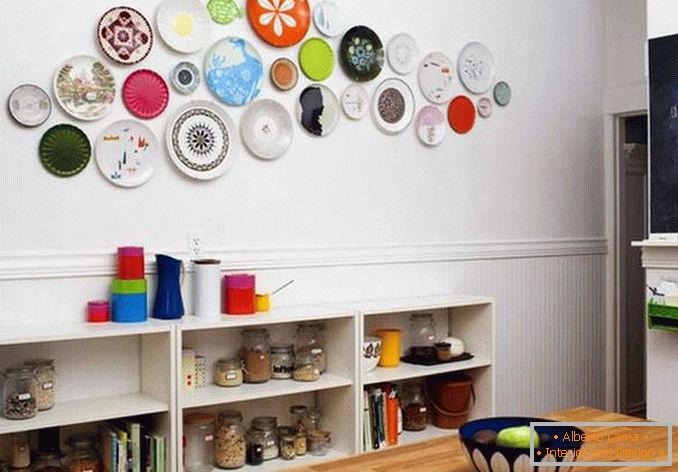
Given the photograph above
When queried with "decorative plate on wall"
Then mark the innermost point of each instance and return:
(284, 74)
(402, 53)
(145, 94)
(431, 125)
(393, 106)
(125, 35)
(281, 23)
(65, 150)
(186, 77)
(354, 101)
(85, 88)
(435, 76)
(233, 71)
(200, 140)
(267, 129)
(461, 114)
(126, 152)
(502, 94)
(362, 54)
(318, 110)
(184, 25)
(29, 105)
(224, 11)
(316, 59)
(476, 68)
(484, 107)
(328, 19)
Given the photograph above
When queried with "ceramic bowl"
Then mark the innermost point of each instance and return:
(371, 353)
(490, 457)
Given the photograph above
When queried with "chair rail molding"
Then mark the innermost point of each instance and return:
(45, 264)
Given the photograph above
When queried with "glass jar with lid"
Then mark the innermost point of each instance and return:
(422, 330)
(287, 438)
(282, 361)
(319, 442)
(228, 372)
(255, 447)
(313, 420)
(199, 442)
(47, 461)
(306, 367)
(256, 355)
(45, 373)
(310, 338)
(83, 456)
(231, 441)
(20, 389)
(268, 425)
(415, 410)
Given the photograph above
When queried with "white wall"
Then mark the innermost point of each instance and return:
(356, 214)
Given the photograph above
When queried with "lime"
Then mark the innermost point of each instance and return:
(518, 436)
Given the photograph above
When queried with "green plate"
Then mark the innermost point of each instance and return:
(65, 150)
(362, 54)
(317, 59)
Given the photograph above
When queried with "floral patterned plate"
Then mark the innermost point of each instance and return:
(362, 54)
(65, 150)
(393, 106)
(281, 23)
(126, 152)
(184, 25)
(200, 139)
(476, 68)
(234, 71)
(85, 88)
(125, 35)
(431, 125)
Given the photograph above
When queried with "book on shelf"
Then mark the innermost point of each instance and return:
(127, 447)
(381, 409)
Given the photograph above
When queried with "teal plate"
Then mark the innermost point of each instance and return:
(362, 54)
(65, 150)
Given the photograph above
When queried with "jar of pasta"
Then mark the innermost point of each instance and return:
(231, 441)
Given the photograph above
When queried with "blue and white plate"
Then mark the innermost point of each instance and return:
(234, 71)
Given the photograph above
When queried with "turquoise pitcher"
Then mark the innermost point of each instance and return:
(168, 303)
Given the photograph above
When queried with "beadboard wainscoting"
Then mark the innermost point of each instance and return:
(549, 299)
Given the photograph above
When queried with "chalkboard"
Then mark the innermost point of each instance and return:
(663, 62)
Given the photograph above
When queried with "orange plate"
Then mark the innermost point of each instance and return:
(282, 23)
(461, 114)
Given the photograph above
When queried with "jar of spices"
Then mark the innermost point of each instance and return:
(422, 330)
(256, 355)
(199, 442)
(287, 445)
(415, 411)
(267, 425)
(306, 367)
(45, 374)
(19, 393)
(231, 445)
(310, 339)
(319, 442)
(255, 447)
(83, 456)
(282, 361)
(228, 372)
(47, 461)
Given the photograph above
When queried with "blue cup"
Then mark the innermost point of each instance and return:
(129, 307)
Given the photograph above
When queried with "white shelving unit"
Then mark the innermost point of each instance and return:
(113, 371)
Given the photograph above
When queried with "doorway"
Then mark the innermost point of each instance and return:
(632, 226)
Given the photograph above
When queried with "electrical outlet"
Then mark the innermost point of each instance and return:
(195, 244)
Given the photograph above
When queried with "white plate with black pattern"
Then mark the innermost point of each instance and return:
(200, 139)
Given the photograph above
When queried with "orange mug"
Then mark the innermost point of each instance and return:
(390, 347)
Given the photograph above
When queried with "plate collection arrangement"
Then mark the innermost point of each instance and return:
(201, 137)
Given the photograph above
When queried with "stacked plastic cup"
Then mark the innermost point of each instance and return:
(129, 301)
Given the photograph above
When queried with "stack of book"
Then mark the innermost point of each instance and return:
(127, 447)
(382, 417)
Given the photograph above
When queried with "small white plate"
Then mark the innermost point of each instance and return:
(393, 106)
(327, 18)
(29, 105)
(355, 101)
(484, 107)
(431, 125)
(186, 77)
(266, 129)
(126, 152)
(184, 25)
(402, 53)
(436, 74)
(476, 68)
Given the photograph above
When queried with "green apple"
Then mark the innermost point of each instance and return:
(518, 436)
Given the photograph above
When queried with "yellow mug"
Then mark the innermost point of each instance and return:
(262, 302)
(390, 347)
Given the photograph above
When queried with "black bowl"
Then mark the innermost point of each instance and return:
(492, 458)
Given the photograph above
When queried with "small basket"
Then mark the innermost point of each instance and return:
(452, 398)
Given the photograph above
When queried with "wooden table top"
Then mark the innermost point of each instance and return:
(445, 454)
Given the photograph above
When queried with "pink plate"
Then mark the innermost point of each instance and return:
(145, 94)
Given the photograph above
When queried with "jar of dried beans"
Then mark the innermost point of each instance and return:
(19, 393)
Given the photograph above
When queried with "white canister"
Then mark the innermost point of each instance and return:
(207, 288)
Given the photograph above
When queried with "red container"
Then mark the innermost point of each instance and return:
(98, 311)
(239, 294)
(131, 263)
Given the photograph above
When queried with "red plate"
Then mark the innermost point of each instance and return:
(145, 94)
(461, 114)
(282, 23)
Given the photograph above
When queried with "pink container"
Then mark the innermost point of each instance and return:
(131, 264)
(98, 311)
(239, 294)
